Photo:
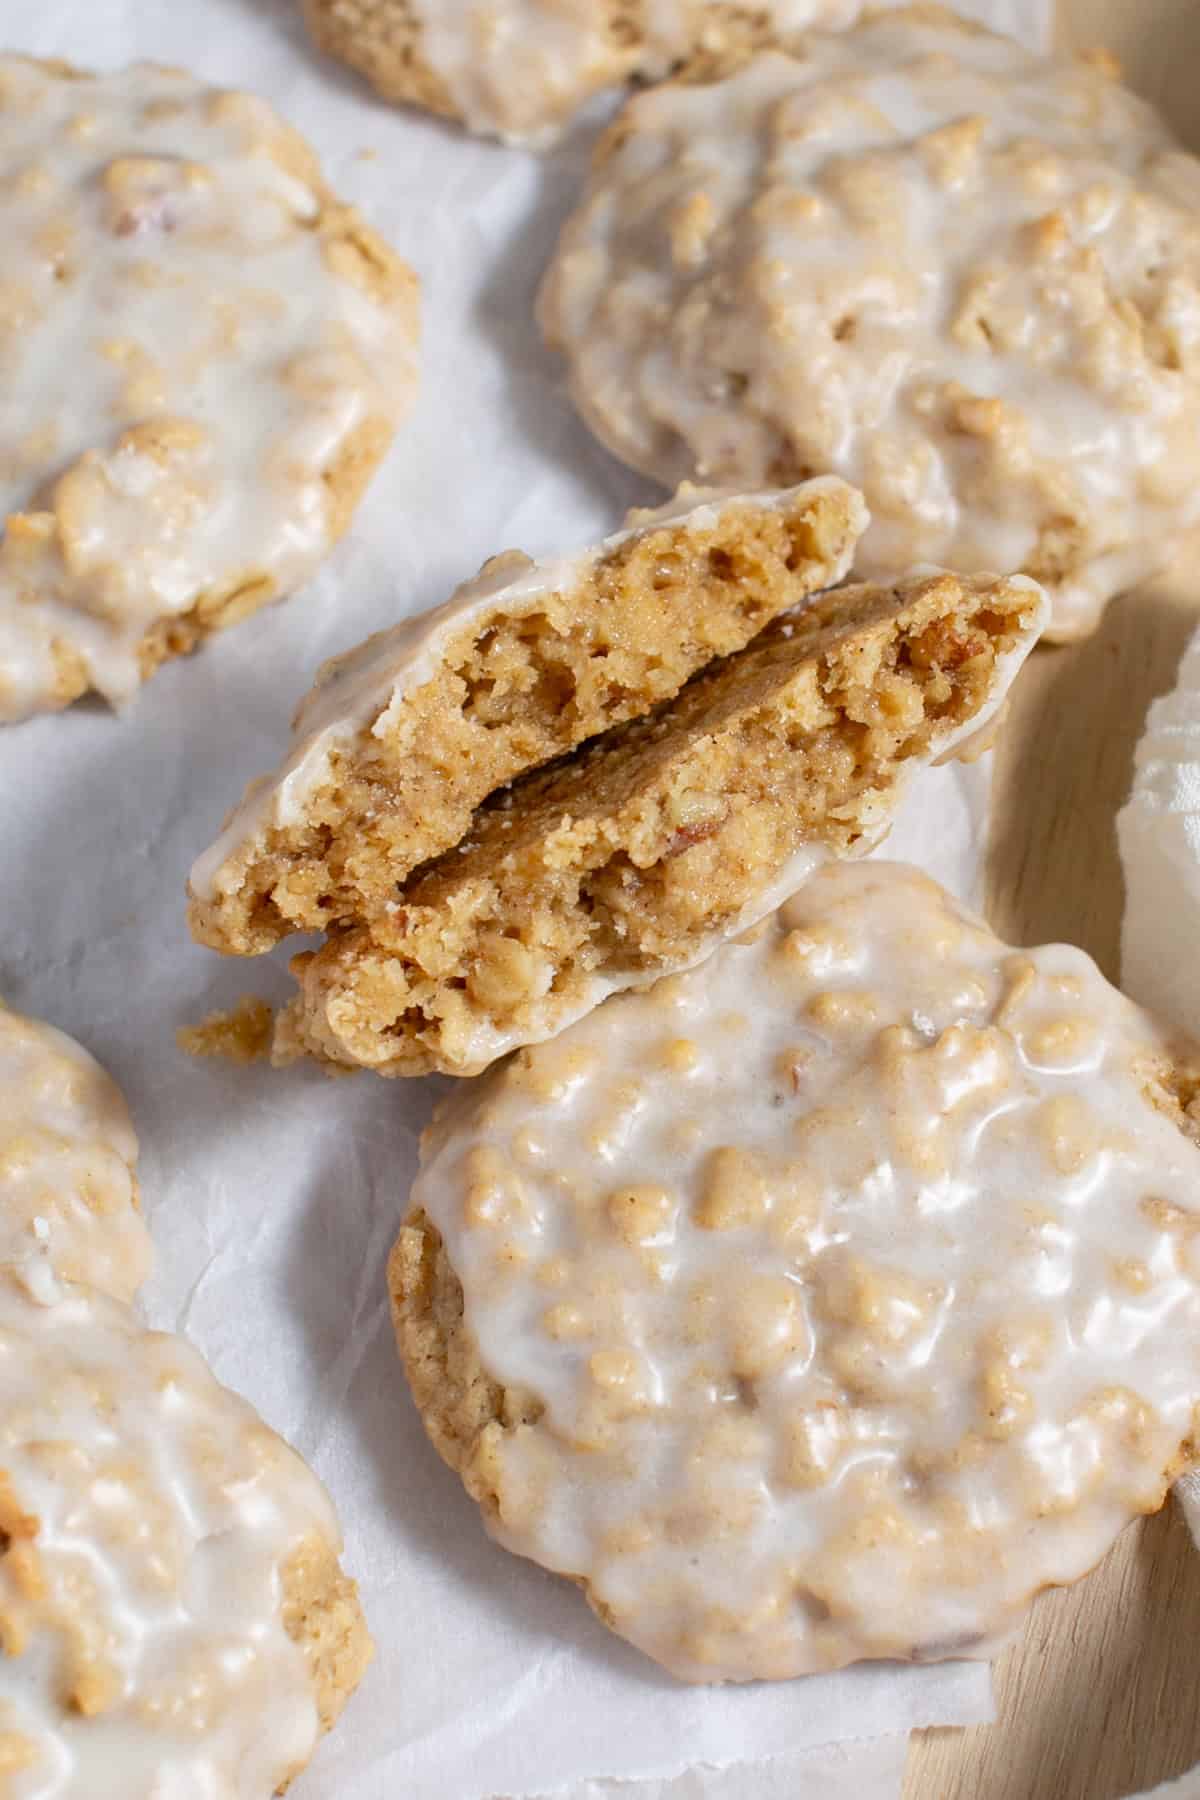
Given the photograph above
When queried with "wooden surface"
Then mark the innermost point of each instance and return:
(1158, 42)
(1101, 1696)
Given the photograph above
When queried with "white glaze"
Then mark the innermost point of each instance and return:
(67, 1157)
(856, 1272)
(965, 277)
(519, 69)
(369, 686)
(184, 354)
(164, 1511)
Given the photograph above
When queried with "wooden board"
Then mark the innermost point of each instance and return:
(1100, 1697)
(1158, 42)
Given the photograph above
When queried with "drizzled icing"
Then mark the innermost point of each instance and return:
(148, 1516)
(189, 340)
(855, 1274)
(964, 277)
(67, 1156)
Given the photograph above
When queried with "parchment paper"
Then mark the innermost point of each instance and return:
(273, 1197)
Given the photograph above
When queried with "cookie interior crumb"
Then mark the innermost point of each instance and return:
(632, 855)
(242, 1035)
(554, 660)
(464, 1411)
(321, 1613)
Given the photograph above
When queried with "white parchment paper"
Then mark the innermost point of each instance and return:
(273, 1197)
(866, 1766)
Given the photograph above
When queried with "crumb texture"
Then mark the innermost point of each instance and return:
(198, 452)
(958, 274)
(637, 853)
(403, 738)
(170, 1595)
(241, 1035)
(465, 1412)
(824, 1303)
(68, 1156)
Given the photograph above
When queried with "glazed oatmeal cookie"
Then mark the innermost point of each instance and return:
(402, 739)
(205, 355)
(172, 1610)
(643, 849)
(823, 1303)
(68, 1153)
(963, 276)
(520, 69)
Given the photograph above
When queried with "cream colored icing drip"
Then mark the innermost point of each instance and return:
(964, 277)
(140, 1601)
(67, 1157)
(183, 356)
(368, 687)
(856, 1272)
(519, 69)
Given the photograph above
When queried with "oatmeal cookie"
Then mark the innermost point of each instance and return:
(643, 849)
(403, 738)
(520, 69)
(172, 1610)
(205, 355)
(962, 275)
(68, 1190)
(826, 1302)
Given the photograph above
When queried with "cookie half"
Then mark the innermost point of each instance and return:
(521, 69)
(172, 1609)
(68, 1154)
(205, 356)
(404, 737)
(646, 847)
(823, 1303)
(919, 256)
